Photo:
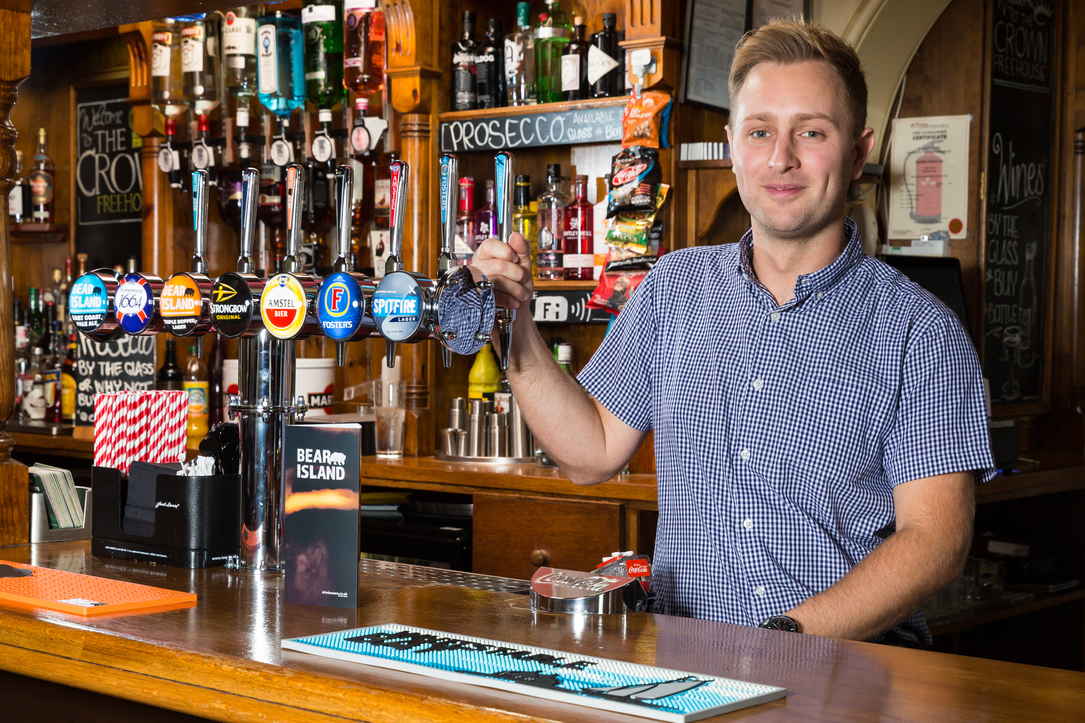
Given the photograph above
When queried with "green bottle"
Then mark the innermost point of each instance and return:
(322, 27)
(552, 33)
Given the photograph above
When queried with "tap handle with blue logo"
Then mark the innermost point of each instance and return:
(450, 196)
(199, 221)
(400, 173)
(344, 194)
(504, 178)
(295, 195)
(250, 192)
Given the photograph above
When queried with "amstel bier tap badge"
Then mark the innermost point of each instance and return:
(283, 306)
(181, 304)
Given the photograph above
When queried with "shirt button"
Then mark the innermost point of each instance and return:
(745, 454)
(820, 294)
(775, 316)
(757, 384)
(759, 591)
(747, 523)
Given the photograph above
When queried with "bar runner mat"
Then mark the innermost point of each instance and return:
(71, 592)
(641, 690)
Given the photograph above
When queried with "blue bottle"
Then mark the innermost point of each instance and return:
(280, 64)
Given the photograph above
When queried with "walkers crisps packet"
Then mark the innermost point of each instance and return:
(646, 120)
(634, 175)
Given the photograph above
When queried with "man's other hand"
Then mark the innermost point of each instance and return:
(508, 266)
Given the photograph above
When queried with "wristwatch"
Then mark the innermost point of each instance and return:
(780, 622)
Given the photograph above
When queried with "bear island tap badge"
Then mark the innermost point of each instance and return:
(181, 304)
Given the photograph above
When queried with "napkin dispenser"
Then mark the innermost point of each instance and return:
(585, 593)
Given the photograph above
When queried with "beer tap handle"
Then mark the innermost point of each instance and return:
(295, 194)
(250, 190)
(199, 222)
(400, 173)
(344, 193)
(504, 178)
(450, 194)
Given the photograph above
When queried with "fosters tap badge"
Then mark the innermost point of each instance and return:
(339, 306)
(134, 304)
(283, 306)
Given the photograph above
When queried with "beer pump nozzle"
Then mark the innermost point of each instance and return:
(400, 173)
(295, 193)
(504, 178)
(344, 190)
(250, 189)
(450, 193)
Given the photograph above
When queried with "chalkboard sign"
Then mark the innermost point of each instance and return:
(582, 125)
(126, 364)
(108, 179)
(1018, 220)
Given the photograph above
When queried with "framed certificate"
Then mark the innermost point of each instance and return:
(713, 28)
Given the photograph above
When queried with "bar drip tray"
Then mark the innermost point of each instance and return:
(440, 576)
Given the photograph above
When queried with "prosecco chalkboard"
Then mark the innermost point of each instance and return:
(108, 179)
(1018, 199)
(126, 364)
(580, 125)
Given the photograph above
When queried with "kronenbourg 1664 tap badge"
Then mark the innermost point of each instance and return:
(181, 304)
(231, 305)
(88, 303)
(339, 306)
(397, 306)
(283, 306)
(134, 303)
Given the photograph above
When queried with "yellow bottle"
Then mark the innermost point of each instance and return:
(196, 385)
(484, 379)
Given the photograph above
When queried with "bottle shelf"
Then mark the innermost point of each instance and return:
(537, 109)
(39, 232)
(714, 163)
(559, 285)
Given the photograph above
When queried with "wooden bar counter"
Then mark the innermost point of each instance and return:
(221, 658)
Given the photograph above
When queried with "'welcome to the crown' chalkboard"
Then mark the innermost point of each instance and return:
(1018, 199)
(108, 178)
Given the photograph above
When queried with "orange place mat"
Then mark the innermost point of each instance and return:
(70, 592)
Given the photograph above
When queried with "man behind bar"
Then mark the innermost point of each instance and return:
(819, 419)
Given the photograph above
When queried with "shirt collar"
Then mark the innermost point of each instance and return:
(819, 281)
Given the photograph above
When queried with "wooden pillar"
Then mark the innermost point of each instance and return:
(14, 69)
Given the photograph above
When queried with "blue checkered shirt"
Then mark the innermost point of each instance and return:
(781, 431)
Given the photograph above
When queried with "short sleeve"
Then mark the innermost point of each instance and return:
(941, 424)
(619, 375)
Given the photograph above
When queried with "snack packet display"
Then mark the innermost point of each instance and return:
(634, 174)
(615, 289)
(631, 229)
(646, 120)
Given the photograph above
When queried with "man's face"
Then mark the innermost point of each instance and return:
(792, 148)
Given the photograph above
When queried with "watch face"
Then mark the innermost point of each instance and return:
(781, 622)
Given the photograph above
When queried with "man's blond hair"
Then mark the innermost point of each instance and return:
(786, 42)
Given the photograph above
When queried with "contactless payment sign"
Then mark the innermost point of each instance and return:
(231, 305)
(88, 303)
(134, 304)
(181, 304)
(339, 306)
(397, 306)
(283, 306)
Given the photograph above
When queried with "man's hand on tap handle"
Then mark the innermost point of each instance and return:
(508, 266)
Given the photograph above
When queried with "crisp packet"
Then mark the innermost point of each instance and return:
(646, 120)
(630, 230)
(634, 174)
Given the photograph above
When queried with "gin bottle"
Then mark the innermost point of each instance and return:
(464, 86)
(323, 29)
(167, 96)
(280, 64)
(239, 51)
(363, 47)
(520, 59)
(552, 34)
(200, 64)
(550, 256)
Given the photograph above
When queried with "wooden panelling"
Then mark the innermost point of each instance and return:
(515, 534)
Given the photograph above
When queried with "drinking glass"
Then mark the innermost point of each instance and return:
(391, 414)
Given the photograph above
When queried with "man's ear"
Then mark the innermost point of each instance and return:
(728, 129)
(864, 144)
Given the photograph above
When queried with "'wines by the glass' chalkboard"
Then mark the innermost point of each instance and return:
(126, 364)
(1018, 219)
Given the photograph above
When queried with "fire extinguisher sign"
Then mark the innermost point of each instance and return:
(929, 183)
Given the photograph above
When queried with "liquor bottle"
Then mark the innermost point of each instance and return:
(524, 220)
(550, 263)
(520, 59)
(465, 223)
(35, 315)
(579, 260)
(552, 34)
(34, 386)
(564, 354)
(574, 64)
(214, 381)
(280, 64)
(323, 29)
(360, 250)
(486, 217)
(363, 47)
(41, 183)
(490, 67)
(167, 86)
(22, 357)
(239, 52)
(200, 64)
(603, 63)
(170, 376)
(229, 195)
(464, 88)
(52, 293)
(19, 198)
(196, 385)
(81, 259)
(67, 380)
(54, 397)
